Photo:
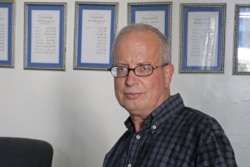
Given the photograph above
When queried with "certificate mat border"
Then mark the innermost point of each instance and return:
(9, 63)
(236, 40)
(147, 6)
(183, 68)
(78, 65)
(62, 37)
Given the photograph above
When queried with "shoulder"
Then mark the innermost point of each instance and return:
(198, 118)
(209, 132)
(196, 124)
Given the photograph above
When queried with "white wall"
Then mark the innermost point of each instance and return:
(76, 111)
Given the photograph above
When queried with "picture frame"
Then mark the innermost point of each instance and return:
(202, 37)
(241, 57)
(44, 36)
(156, 14)
(96, 21)
(7, 22)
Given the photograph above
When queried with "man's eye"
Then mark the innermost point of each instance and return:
(121, 69)
(146, 67)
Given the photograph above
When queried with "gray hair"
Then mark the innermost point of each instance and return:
(166, 54)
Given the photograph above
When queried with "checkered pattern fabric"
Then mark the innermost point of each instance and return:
(173, 136)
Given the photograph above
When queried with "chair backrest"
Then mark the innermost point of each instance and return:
(25, 152)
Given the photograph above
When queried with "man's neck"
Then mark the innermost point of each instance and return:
(138, 123)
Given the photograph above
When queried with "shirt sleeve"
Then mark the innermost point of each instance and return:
(216, 150)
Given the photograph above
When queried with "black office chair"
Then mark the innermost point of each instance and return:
(25, 152)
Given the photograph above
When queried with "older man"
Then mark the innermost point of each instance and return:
(161, 131)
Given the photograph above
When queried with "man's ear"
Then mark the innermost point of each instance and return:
(168, 71)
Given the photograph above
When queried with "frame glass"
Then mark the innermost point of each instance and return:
(45, 32)
(95, 21)
(241, 58)
(7, 33)
(157, 14)
(202, 38)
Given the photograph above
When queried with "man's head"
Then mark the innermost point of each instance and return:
(143, 89)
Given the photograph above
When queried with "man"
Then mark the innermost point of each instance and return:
(162, 132)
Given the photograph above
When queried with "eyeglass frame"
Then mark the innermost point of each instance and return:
(134, 70)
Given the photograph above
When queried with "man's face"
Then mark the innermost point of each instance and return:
(141, 95)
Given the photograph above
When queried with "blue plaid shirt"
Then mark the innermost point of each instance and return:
(173, 136)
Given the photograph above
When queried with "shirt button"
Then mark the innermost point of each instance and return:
(154, 127)
(138, 137)
(129, 165)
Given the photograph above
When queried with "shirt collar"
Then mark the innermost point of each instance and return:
(160, 114)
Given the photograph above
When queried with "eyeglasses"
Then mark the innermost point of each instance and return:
(140, 70)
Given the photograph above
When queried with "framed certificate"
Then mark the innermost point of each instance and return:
(6, 33)
(45, 36)
(156, 14)
(94, 35)
(241, 58)
(202, 38)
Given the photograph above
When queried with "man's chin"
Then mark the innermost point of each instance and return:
(131, 109)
